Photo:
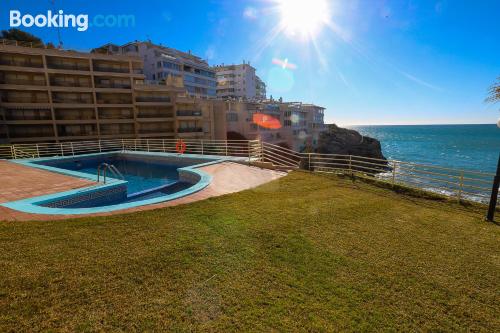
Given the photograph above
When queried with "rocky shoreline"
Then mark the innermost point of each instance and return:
(344, 141)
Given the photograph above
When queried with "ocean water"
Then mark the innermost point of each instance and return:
(468, 147)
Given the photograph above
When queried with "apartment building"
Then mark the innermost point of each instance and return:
(294, 124)
(260, 89)
(53, 95)
(239, 81)
(161, 62)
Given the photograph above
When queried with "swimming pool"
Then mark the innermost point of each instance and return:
(143, 178)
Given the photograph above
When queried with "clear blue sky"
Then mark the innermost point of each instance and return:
(375, 62)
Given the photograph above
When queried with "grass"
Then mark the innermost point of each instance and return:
(303, 253)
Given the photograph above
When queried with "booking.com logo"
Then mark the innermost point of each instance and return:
(60, 20)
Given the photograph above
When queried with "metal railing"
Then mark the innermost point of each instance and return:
(106, 166)
(460, 184)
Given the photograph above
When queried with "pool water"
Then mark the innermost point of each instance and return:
(139, 175)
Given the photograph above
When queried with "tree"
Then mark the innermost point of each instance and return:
(494, 92)
(22, 36)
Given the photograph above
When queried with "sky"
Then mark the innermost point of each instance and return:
(368, 62)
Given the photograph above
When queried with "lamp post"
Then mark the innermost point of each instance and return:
(494, 190)
(494, 194)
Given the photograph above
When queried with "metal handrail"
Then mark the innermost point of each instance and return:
(459, 182)
(112, 168)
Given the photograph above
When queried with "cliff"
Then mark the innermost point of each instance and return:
(337, 140)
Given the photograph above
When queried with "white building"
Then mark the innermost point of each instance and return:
(239, 81)
(160, 61)
(260, 89)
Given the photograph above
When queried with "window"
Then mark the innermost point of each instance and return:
(170, 65)
(232, 117)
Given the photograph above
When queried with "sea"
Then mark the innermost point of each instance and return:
(466, 147)
(470, 148)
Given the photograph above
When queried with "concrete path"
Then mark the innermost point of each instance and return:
(18, 182)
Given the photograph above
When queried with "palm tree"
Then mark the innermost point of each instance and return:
(494, 92)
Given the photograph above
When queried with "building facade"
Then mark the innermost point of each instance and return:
(161, 62)
(52, 95)
(290, 124)
(239, 81)
(260, 89)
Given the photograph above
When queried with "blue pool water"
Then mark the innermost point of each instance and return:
(141, 176)
(472, 147)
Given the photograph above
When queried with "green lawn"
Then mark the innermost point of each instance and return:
(304, 253)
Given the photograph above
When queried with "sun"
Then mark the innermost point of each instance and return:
(303, 18)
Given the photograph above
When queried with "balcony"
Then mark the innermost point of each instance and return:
(73, 67)
(113, 85)
(23, 82)
(39, 131)
(152, 114)
(152, 99)
(112, 101)
(155, 130)
(111, 69)
(110, 113)
(190, 130)
(189, 113)
(113, 129)
(27, 115)
(10, 99)
(57, 83)
(20, 63)
(69, 100)
(75, 115)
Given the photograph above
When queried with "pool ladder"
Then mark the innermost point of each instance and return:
(104, 167)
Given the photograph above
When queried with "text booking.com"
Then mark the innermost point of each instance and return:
(61, 20)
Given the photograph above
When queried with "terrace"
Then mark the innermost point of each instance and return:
(349, 237)
(353, 255)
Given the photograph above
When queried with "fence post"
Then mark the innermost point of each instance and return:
(309, 162)
(226, 147)
(13, 151)
(394, 166)
(202, 147)
(249, 146)
(163, 144)
(123, 145)
(350, 165)
(460, 186)
(62, 150)
(494, 194)
(261, 144)
(135, 144)
(72, 149)
(147, 144)
(37, 150)
(100, 149)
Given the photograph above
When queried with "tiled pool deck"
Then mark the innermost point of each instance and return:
(18, 182)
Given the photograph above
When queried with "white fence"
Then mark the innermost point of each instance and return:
(461, 184)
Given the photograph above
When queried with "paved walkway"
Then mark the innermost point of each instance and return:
(228, 177)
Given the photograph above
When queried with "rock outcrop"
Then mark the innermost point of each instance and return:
(337, 140)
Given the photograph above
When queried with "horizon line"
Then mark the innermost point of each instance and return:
(422, 124)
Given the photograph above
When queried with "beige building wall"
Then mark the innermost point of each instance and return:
(300, 124)
(51, 95)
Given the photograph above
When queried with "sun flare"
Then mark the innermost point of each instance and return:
(303, 18)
